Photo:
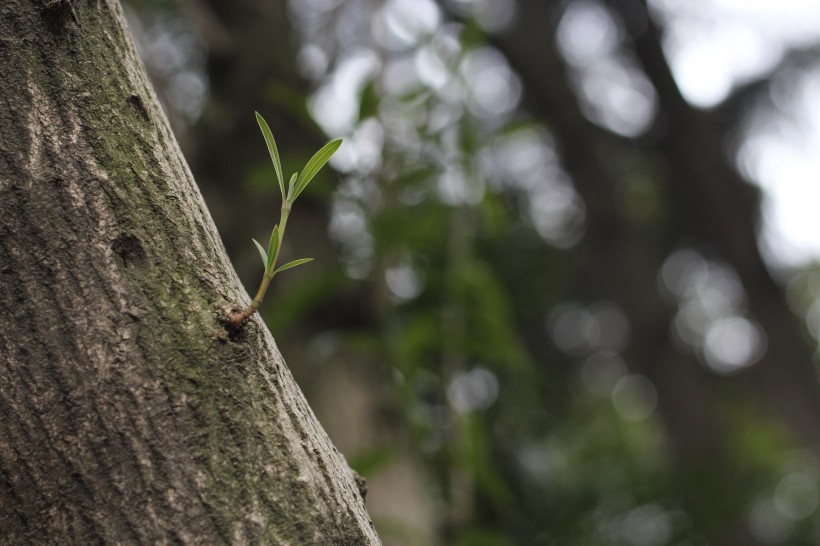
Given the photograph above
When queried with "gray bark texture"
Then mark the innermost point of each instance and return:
(123, 418)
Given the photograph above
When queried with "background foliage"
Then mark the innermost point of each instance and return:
(539, 312)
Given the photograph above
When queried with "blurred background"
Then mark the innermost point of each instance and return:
(565, 288)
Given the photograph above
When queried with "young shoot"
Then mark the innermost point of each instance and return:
(297, 184)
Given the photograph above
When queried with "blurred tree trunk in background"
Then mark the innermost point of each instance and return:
(714, 210)
(125, 419)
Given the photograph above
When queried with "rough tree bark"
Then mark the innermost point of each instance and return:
(123, 418)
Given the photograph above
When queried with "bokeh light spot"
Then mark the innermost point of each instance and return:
(768, 524)
(586, 33)
(600, 372)
(733, 343)
(474, 390)
(796, 495)
(647, 525)
(634, 398)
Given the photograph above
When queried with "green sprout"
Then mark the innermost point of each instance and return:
(298, 183)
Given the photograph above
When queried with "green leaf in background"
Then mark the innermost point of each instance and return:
(294, 263)
(274, 151)
(315, 164)
(304, 297)
(374, 459)
(482, 537)
(262, 253)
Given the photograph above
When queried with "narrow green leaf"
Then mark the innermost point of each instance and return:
(261, 253)
(290, 187)
(273, 248)
(273, 150)
(294, 263)
(315, 164)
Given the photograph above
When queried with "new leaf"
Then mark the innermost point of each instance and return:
(262, 253)
(292, 182)
(273, 248)
(315, 164)
(294, 263)
(274, 151)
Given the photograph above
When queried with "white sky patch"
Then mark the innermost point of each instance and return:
(785, 162)
(716, 44)
(335, 105)
(707, 64)
(790, 178)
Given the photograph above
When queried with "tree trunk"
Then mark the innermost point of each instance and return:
(125, 420)
(711, 486)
